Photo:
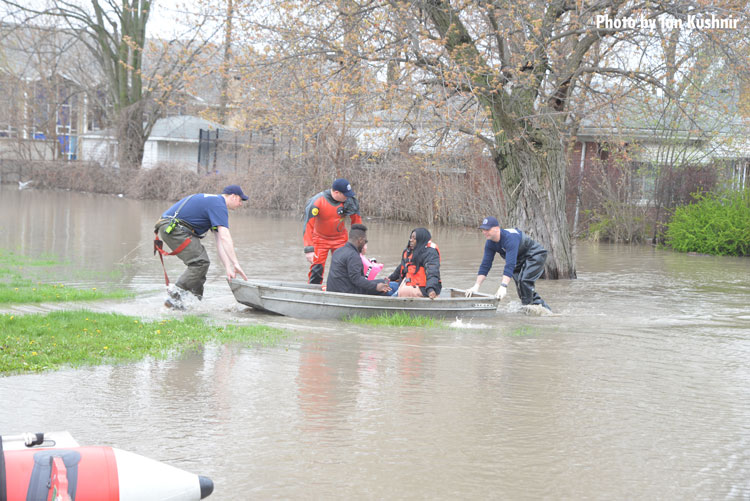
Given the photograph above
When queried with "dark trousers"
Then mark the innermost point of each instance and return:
(527, 274)
(194, 256)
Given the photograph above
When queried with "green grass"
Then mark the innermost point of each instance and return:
(523, 331)
(17, 287)
(396, 320)
(36, 343)
(10, 259)
(25, 291)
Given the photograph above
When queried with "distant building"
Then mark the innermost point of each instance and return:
(173, 140)
(57, 104)
(52, 93)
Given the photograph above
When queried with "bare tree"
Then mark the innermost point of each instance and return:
(662, 144)
(506, 73)
(226, 63)
(114, 31)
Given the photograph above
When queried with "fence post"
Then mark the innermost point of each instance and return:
(216, 147)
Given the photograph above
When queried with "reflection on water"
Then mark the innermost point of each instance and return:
(638, 387)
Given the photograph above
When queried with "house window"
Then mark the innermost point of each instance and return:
(7, 130)
(739, 173)
(111, 151)
(63, 122)
(642, 181)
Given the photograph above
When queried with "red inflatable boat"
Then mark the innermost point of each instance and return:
(52, 466)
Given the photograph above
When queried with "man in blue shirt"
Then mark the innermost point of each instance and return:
(524, 261)
(185, 223)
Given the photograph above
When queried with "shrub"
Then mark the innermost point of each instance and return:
(714, 224)
(163, 182)
(450, 190)
(615, 221)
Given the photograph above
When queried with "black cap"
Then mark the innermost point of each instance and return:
(488, 223)
(234, 189)
(343, 186)
(206, 484)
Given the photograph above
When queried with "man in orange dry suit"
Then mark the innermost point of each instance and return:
(325, 229)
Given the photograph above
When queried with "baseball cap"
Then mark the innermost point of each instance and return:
(489, 223)
(343, 186)
(234, 189)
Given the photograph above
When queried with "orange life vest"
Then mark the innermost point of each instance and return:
(417, 276)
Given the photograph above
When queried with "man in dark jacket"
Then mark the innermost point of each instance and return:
(524, 261)
(347, 273)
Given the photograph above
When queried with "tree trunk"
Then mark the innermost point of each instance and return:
(130, 137)
(530, 157)
(226, 64)
(534, 186)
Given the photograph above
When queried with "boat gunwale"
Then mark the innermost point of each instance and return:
(400, 306)
(281, 299)
(261, 284)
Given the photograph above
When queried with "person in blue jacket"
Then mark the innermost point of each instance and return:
(524, 261)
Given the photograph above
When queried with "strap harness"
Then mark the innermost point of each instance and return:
(159, 244)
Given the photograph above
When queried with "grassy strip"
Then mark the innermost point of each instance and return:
(10, 259)
(399, 319)
(15, 287)
(35, 343)
(25, 291)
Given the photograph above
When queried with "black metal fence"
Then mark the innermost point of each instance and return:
(226, 151)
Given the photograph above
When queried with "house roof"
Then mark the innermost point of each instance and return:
(31, 53)
(646, 117)
(180, 128)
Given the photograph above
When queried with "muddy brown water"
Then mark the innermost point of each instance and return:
(638, 388)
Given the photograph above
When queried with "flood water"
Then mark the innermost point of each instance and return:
(638, 387)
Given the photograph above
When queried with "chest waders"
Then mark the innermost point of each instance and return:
(159, 245)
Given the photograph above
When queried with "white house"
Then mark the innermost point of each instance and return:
(173, 140)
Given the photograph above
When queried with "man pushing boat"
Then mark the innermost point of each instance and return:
(184, 224)
(524, 262)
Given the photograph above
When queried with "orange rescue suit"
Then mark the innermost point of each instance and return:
(325, 229)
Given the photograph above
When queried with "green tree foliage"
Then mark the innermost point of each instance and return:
(714, 224)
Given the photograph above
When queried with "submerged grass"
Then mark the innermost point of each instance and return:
(25, 291)
(36, 343)
(399, 319)
(10, 259)
(523, 331)
(17, 287)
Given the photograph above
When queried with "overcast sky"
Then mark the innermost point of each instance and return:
(170, 18)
